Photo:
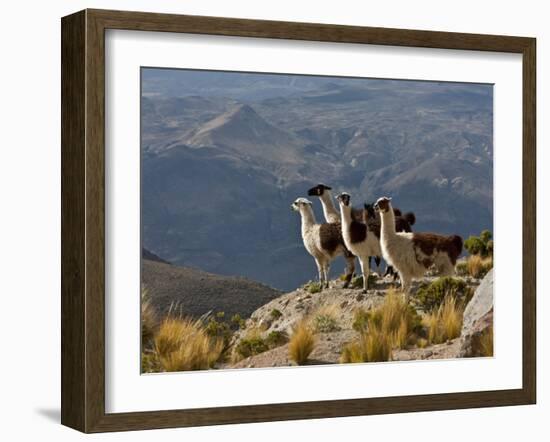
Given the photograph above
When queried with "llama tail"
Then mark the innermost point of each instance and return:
(411, 218)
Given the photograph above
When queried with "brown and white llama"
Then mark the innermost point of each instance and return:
(412, 254)
(357, 237)
(323, 241)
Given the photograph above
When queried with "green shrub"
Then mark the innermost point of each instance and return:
(275, 314)
(251, 347)
(325, 324)
(480, 245)
(474, 245)
(276, 338)
(462, 268)
(313, 287)
(431, 296)
(216, 326)
(237, 321)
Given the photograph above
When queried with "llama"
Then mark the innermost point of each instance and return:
(403, 223)
(414, 253)
(357, 238)
(323, 241)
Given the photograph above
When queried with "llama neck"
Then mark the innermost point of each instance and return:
(329, 211)
(345, 213)
(308, 218)
(387, 229)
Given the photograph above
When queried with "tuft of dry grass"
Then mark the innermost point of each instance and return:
(302, 342)
(446, 322)
(478, 267)
(391, 325)
(183, 344)
(149, 319)
(373, 346)
(395, 318)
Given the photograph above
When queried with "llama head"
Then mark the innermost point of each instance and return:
(383, 204)
(300, 203)
(369, 210)
(344, 199)
(318, 190)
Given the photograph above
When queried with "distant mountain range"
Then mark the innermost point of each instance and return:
(219, 171)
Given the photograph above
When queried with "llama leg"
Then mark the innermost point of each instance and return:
(350, 269)
(326, 271)
(447, 268)
(365, 272)
(320, 271)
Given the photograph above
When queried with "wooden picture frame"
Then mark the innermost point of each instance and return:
(83, 220)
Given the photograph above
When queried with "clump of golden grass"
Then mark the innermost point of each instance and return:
(149, 320)
(422, 343)
(183, 344)
(478, 266)
(486, 343)
(445, 323)
(388, 326)
(395, 318)
(302, 342)
(373, 346)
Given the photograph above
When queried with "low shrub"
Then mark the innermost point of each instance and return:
(480, 245)
(461, 268)
(301, 344)
(325, 319)
(237, 321)
(251, 346)
(275, 314)
(276, 338)
(313, 287)
(431, 296)
(325, 324)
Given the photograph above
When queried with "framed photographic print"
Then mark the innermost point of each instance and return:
(268, 220)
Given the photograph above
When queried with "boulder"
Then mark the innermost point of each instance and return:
(478, 319)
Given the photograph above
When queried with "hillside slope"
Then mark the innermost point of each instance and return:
(195, 292)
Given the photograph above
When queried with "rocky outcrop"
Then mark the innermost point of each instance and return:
(478, 319)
